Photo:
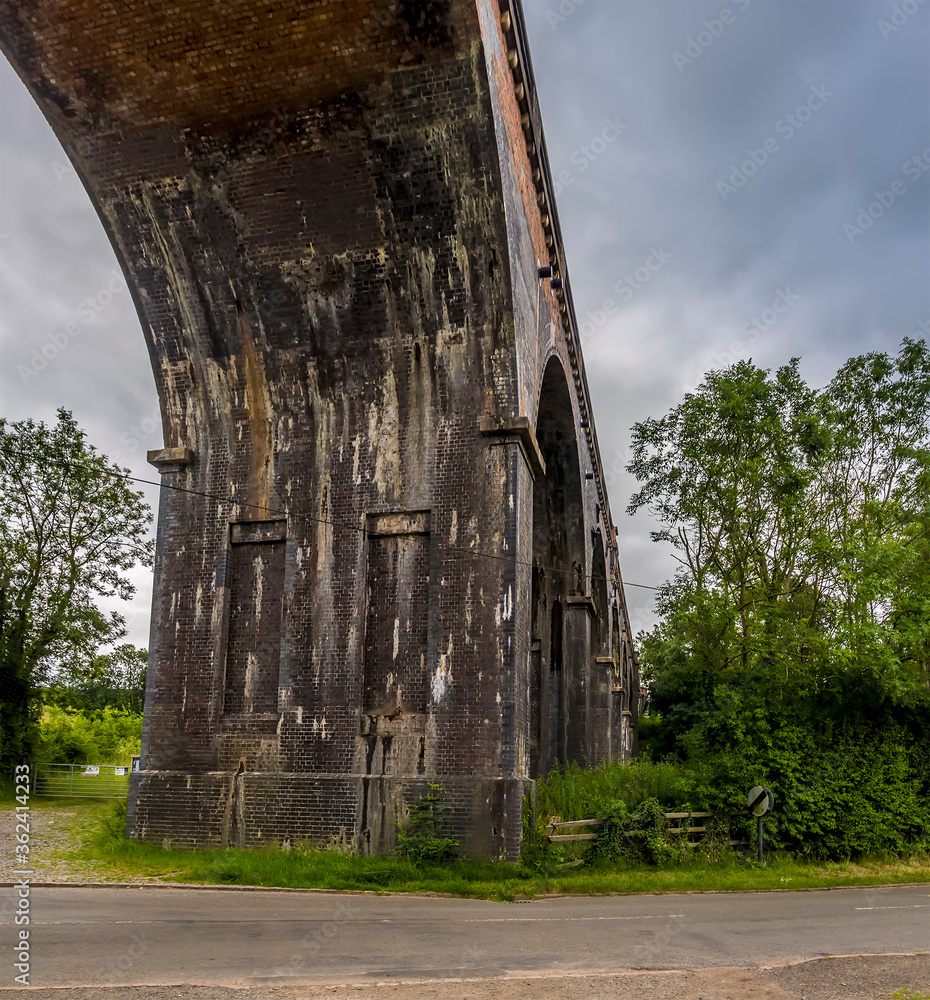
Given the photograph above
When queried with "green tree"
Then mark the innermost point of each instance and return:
(800, 522)
(799, 617)
(115, 679)
(70, 529)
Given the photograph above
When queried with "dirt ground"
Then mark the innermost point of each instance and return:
(824, 979)
(53, 832)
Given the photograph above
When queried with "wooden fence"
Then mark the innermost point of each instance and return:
(556, 824)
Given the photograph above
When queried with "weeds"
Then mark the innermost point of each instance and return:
(420, 838)
(303, 867)
(574, 793)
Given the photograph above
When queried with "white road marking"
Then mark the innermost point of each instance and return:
(911, 906)
(563, 920)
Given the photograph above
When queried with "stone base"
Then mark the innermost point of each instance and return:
(263, 810)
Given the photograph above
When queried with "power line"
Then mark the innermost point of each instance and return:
(360, 530)
(478, 553)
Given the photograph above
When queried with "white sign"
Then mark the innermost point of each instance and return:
(760, 800)
(91, 771)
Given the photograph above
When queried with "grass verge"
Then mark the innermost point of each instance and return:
(103, 843)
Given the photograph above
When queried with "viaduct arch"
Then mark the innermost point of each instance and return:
(388, 557)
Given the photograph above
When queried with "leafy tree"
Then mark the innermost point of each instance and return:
(800, 519)
(115, 679)
(106, 736)
(70, 529)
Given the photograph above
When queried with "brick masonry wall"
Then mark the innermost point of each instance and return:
(329, 222)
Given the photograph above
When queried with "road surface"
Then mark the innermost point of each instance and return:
(102, 936)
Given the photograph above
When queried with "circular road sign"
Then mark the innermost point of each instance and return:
(760, 800)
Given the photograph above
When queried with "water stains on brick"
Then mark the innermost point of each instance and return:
(327, 217)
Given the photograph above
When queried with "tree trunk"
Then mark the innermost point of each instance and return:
(18, 717)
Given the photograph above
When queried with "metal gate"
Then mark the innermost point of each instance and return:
(86, 781)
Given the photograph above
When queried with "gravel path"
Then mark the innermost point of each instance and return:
(54, 834)
(830, 979)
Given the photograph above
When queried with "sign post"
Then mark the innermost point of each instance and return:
(760, 801)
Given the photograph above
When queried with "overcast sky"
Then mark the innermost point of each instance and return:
(712, 162)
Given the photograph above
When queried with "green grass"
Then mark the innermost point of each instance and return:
(576, 793)
(105, 846)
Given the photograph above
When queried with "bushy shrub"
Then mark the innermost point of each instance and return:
(578, 793)
(856, 790)
(107, 736)
(420, 839)
(852, 791)
(642, 835)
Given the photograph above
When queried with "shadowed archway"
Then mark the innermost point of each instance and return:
(560, 630)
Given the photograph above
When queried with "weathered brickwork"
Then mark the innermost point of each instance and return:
(390, 559)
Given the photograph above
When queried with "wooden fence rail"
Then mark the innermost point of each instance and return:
(556, 823)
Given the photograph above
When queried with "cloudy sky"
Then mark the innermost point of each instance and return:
(716, 165)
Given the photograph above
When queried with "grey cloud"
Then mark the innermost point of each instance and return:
(654, 186)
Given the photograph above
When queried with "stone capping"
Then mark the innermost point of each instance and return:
(517, 429)
(399, 522)
(170, 459)
(249, 532)
(583, 602)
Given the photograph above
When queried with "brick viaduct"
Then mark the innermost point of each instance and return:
(385, 552)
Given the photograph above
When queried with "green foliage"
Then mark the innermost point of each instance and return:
(655, 740)
(115, 679)
(113, 824)
(861, 791)
(107, 736)
(326, 869)
(420, 838)
(794, 645)
(577, 793)
(70, 529)
(640, 836)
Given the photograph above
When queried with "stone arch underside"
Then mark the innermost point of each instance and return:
(561, 620)
(306, 202)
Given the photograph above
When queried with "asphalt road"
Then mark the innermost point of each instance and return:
(87, 937)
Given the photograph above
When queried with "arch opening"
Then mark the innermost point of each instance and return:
(561, 626)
